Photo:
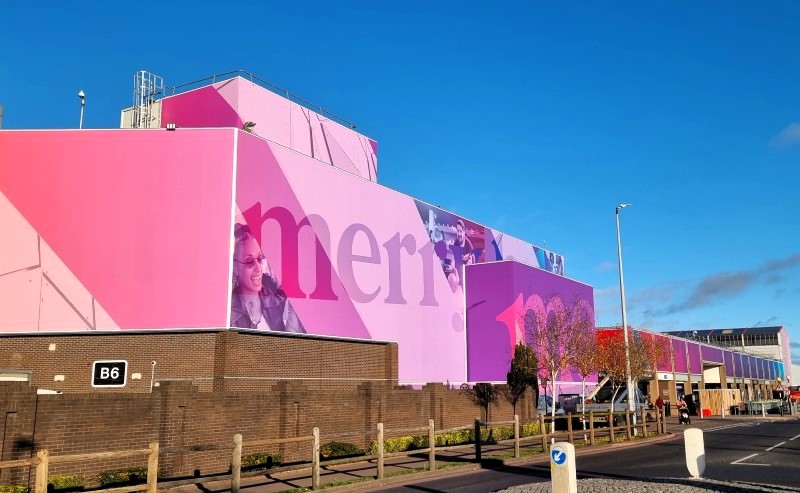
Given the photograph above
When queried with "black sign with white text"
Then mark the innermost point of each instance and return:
(109, 373)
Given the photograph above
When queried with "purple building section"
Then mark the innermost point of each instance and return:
(679, 354)
(738, 365)
(712, 354)
(730, 369)
(695, 364)
(498, 294)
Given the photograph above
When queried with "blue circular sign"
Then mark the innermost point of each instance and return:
(558, 456)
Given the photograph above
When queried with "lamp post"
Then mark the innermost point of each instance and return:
(82, 97)
(628, 381)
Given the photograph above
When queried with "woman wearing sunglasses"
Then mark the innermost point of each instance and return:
(257, 301)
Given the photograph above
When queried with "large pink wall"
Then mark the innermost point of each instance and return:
(114, 228)
(374, 273)
(233, 102)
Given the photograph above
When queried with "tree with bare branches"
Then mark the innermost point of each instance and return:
(585, 361)
(552, 330)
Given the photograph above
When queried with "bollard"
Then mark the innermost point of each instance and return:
(380, 450)
(516, 436)
(695, 451)
(431, 446)
(563, 477)
(236, 464)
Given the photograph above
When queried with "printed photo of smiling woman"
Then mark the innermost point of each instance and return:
(257, 300)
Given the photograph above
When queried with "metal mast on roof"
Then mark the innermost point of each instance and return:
(146, 88)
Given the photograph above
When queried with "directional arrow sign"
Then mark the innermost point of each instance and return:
(562, 466)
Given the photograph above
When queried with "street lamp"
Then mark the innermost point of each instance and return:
(629, 382)
(82, 97)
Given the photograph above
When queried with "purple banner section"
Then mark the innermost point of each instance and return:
(695, 364)
(679, 353)
(712, 354)
(729, 365)
(749, 367)
(738, 365)
(498, 295)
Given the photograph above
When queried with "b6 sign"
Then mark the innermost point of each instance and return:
(108, 373)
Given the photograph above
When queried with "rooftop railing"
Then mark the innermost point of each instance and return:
(265, 84)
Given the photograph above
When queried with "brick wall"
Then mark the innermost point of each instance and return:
(232, 360)
(178, 415)
(212, 385)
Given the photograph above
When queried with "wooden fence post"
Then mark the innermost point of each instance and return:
(152, 468)
(431, 446)
(236, 463)
(516, 436)
(477, 440)
(611, 426)
(543, 431)
(380, 450)
(644, 424)
(315, 460)
(664, 423)
(591, 427)
(42, 471)
(628, 424)
(570, 435)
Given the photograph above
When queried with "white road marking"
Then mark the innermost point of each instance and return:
(776, 446)
(725, 427)
(795, 438)
(739, 462)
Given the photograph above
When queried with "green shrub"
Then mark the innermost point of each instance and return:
(339, 449)
(67, 482)
(14, 488)
(126, 475)
(260, 460)
(458, 437)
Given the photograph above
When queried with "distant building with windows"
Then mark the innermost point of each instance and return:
(768, 342)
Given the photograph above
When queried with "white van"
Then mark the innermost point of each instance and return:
(601, 403)
(545, 406)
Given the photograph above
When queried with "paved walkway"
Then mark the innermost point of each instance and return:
(360, 476)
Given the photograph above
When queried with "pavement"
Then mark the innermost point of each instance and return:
(360, 476)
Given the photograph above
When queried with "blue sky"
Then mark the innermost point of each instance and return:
(536, 119)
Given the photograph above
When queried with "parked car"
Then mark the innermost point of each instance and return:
(545, 406)
(794, 393)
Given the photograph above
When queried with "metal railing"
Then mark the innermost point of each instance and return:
(267, 85)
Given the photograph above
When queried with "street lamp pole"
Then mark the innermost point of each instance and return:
(82, 97)
(629, 382)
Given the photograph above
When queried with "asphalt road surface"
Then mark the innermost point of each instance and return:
(760, 452)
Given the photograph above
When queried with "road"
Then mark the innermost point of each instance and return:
(761, 452)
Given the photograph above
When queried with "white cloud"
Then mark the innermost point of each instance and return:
(605, 266)
(787, 137)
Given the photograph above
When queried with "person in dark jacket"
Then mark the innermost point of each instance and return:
(257, 300)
